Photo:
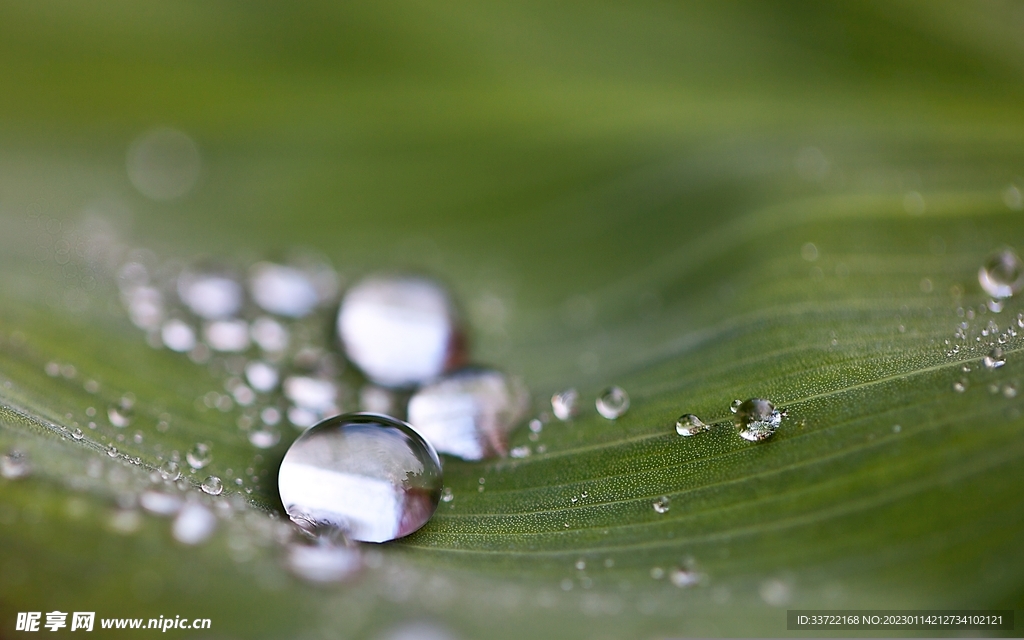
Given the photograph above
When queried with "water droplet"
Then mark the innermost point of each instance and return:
(613, 402)
(194, 524)
(170, 471)
(212, 485)
(447, 495)
(262, 376)
(323, 560)
(1002, 275)
(995, 305)
(469, 413)
(581, 564)
(199, 456)
(270, 335)
(809, 252)
(373, 477)
(662, 504)
(522, 451)
(120, 414)
(685, 578)
(125, 521)
(163, 164)
(994, 359)
(112, 451)
(690, 425)
(757, 419)
(77, 434)
(657, 573)
(229, 336)
(145, 306)
(178, 336)
(734, 407)
(775, 593)
(282, 290)
(315, 394)
(160, 503)
(1010, 390)
(212, 296)
(565, 404)
(400, 330)
(264, 438)
(14, 465)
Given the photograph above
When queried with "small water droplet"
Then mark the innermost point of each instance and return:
(160, 503)
(373, 477)
(565, 404)
(734, 407)
(125, 521)
(469, 413)
(447, 495)
(757, 419)
(1002, 275)
(657, 573)
(690, 425)
(212, 296)
(809, 252)
(120, 414)
(662, 504)
(995, 305)
(77, 434)
(112, 451)
(229, 336)
(14, 465)
(199, 456)
(324, 560)
(178, 336)
(994, 359)
(581, 564)
(270, 335)
(1010, 390)
(613, 402)
(170, 471)
(264, 438)
(520, 452)
(685, 578)
(400, 330)
(212, 485)
(194, 524)
(314, 394)
(282, 290)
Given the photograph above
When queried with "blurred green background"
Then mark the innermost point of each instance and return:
(633, 183)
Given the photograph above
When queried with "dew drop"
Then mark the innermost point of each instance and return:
(447, 495)
(229, 336)
(160, 503)
(282, 290)
(469, 413)
(1002, 275)
(314, 394)
(264, 438)
(14, 465)
(323, 560)
(662, 504)
(199, 456)
(613, 402)
(120, 414)
(1010, 390)
(194, 524)
(178, 336)
(212, 485)
(77, 434)
(400, 330)
(994, 359)
(757, 419)
(170, 471)
(565, 404)
(212, 296)
(373, 477)
(112, 451)
(685, 578)
(690, 425)
(581, 564)
(734, 407)
(262, 376)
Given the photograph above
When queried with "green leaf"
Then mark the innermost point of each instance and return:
(697, 204)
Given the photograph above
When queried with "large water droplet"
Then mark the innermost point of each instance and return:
(210, 295)
(613, 402)
(565, 404)
(400, 331)
(199, 456)
(14, 465)
(690, 425)
(212, 485)
(994, 359)
(1002, 275)
(662, 504)
(469, 413)
(194, 524)
(286, 291)
(371, 476)
(757, 419)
